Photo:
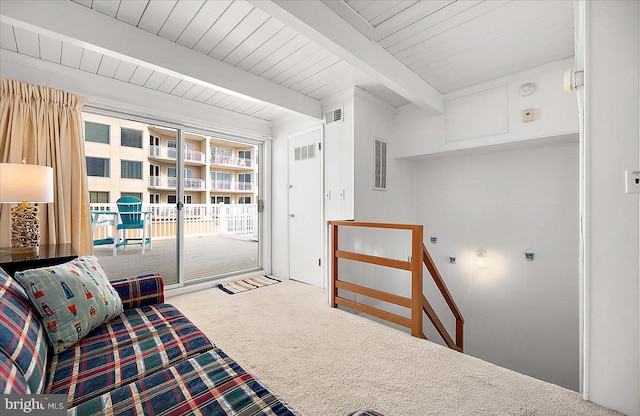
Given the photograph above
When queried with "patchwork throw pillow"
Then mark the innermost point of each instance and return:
(72, 299)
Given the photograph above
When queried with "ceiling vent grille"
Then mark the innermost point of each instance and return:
(333, 115)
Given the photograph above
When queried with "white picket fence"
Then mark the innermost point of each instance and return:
(233, 220)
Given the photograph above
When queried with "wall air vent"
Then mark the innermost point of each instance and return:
(304, 152)
(333, 116)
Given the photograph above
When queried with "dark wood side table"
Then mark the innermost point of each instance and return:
(49, 255)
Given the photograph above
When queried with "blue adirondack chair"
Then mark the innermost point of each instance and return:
(132, 218)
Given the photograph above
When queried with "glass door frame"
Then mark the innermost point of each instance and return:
(262, 147)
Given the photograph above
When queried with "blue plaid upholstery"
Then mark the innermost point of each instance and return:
(150, 360)
(131, 346)
(22, 336)
(12, 380)
(211, 382)
(140, 291)
(365, 413)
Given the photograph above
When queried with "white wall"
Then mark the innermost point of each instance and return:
(612, 358)
(495, 110)
(518, 314)
(339, 159)
(396, 204)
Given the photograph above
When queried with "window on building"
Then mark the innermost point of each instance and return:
(172, 198)
(130, 169)
(173, 173)
(244, 200)
(220, 155)
(220, 199)
(154, 146)
(244, 154)
(133, 194)
(154, 198)
(96, 132)
(130, 137)
(244, 181)
(98, 197)
(97, 166)
(221, 180)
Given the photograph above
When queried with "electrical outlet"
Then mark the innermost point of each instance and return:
(632, 181)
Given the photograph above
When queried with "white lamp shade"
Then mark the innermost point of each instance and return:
(25, 183)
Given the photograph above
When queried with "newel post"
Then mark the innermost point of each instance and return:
(416, 281)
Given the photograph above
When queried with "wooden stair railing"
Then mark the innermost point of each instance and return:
(417, 303)
(437, 278)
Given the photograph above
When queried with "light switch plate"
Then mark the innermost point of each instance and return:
(632, 181)
(528, 115)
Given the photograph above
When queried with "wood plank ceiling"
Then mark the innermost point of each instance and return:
(449, 44)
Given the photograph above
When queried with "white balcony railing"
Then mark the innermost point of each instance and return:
(231, 186)
(231, 161)
(237, 220)
(163, 182)
(163, 152)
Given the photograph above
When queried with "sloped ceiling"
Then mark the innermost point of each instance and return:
(269, 58)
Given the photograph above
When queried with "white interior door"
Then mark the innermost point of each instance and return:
(305, 209)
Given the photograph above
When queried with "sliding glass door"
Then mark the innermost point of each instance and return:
(200, 195)
(221, 221)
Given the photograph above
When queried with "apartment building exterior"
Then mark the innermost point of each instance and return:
(128, 158)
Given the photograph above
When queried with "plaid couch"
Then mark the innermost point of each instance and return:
(150, 360)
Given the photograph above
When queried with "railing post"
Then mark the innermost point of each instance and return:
(334, 265)
(416, 282)
(459, 334)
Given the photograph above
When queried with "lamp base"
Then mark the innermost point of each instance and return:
(25, 229)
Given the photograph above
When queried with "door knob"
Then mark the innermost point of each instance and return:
(291, 215)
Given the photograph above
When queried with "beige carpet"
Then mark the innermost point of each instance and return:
(324, 362)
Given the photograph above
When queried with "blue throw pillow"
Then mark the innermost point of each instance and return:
(72, 299)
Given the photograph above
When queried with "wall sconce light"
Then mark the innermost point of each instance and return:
(529, 255)
(481, 259)
(452, 259)
(20, 184)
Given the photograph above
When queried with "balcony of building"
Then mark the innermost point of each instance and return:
(165, 153)
(231, 162)
(165, 182)
(231, 186)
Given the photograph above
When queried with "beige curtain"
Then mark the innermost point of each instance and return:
(44, 126)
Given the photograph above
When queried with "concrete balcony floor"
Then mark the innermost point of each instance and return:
(203, 257)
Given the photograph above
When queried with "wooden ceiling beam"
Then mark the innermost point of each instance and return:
(322, 25)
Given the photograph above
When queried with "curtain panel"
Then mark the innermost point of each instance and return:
(43, 126)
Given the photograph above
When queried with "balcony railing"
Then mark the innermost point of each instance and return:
(231, 186)
(164, 182)
(236, 220)
(163, 152)
(231, 161)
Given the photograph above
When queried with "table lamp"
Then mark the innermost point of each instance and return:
(21, 184)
